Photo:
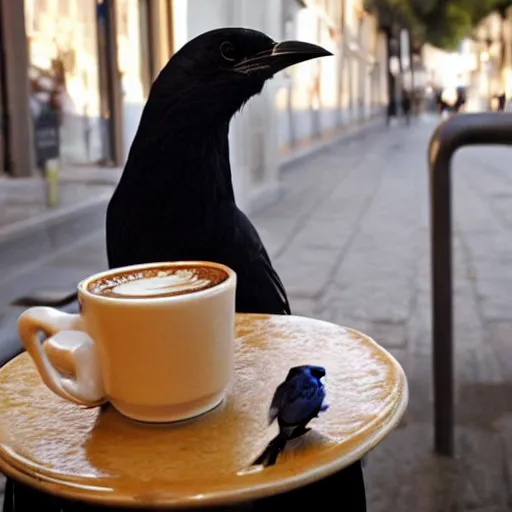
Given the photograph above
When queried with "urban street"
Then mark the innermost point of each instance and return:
(350, 238)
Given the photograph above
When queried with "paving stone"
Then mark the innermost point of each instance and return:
(491, 269)
(389, 333)
(305, 273)
(494, 309)
(496, 246)
(499, 336)
(504, 427)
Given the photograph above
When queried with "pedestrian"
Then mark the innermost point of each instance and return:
(406, 105)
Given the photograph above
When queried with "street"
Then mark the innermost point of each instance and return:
(350, 239)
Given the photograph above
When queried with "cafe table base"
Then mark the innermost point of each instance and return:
(343, 491)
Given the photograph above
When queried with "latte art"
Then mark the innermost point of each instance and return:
(158, 282)
(183, 280)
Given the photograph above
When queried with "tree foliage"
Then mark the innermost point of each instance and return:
(443, 23)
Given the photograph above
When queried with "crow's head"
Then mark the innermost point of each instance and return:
(218, 71)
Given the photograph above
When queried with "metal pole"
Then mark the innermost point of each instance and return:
(391, 111)
(457, 132)
(442, 328)
(20, 122)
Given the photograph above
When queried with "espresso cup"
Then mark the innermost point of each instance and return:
(154, 340)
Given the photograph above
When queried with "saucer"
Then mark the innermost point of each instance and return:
(98, 456)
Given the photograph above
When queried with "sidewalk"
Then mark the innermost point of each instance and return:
(350, 240)
(25, 198)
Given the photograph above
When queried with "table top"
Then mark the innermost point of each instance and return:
(101, 457)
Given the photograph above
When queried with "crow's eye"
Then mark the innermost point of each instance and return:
(227, 51)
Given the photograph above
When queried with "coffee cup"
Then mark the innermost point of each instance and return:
(154, 340)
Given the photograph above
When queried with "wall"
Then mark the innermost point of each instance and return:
(507, 67)
(304, 103)
(131, 61)
(499, 66)
(322, 97)
(253, 137)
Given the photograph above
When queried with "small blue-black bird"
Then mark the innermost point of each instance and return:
(297, 400)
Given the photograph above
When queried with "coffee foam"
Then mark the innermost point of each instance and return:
(157, 282)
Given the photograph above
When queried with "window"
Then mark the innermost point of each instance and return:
(64, 76)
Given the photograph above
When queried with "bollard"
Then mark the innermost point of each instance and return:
(51, 172)
(458, 131)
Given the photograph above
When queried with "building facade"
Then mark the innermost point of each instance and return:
(84, 67)
(87, 63)
(492, 50)
(485, 61)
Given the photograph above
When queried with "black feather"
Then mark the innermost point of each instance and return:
(175, 199)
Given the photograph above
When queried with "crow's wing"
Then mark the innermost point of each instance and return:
(259, 288)
(275, 279)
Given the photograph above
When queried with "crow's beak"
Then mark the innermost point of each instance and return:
(281, 56)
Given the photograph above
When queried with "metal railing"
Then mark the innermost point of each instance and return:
(458, 131)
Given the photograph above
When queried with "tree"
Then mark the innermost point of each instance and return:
(442, 23)
(448, 23)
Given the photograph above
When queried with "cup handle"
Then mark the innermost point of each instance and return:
(70, 349)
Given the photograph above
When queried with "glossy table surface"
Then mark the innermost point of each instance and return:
(98, 456)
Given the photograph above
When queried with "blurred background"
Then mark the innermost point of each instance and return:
(330, 163)
(81, 70)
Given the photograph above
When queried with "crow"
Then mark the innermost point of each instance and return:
(175, 198)
(296, 401)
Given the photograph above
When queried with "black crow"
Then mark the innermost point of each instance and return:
(175, 198)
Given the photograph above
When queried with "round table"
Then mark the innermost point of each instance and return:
(99, 457)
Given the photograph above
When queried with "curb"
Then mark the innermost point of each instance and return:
(29, 242)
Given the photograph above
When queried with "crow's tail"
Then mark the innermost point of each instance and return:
(269, 455)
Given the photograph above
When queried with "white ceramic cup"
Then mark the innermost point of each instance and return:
(155, 358)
